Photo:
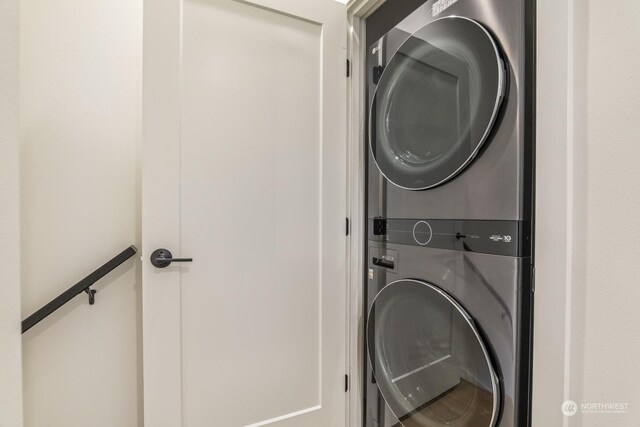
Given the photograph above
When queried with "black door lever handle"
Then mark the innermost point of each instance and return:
(162, 258)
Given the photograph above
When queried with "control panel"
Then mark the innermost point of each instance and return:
(511, 238)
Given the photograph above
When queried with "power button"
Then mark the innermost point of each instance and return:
(422, 233)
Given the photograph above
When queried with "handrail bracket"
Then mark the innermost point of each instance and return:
(92, 295)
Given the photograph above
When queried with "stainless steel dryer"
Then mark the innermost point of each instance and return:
(450, 97)
(448, 286)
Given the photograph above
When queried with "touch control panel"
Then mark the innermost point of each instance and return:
(511, 238)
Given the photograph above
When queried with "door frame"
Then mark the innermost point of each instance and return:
(560, 228)
(357, 12)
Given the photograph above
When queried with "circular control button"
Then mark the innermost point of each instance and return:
(422, 233)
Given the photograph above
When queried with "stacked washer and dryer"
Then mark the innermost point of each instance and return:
(449, 280)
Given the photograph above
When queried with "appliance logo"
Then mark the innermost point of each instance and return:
(498, 238)
(375, 49)
(441, 5)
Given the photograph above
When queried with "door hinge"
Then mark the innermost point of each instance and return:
(348, 68)
(347, 230)
(346, 383)
(533, 280)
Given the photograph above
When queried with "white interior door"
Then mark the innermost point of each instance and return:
(244, 169)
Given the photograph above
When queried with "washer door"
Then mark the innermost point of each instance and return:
(429, 360)
(436, 102)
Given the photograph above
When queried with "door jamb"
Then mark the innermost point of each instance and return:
(357, 12)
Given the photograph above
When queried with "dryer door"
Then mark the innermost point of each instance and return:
(429, 360)
(435, 103)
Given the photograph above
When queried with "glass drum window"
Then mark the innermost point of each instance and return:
(435, 103)
(429, 360)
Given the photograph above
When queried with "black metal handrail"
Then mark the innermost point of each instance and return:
(82, 286)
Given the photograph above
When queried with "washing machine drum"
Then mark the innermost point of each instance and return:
(429, 360)
(436, 102)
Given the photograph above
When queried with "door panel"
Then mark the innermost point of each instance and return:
(256, 333)
(261, 239)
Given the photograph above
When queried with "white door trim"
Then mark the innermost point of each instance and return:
(560, 229)
(358, 11)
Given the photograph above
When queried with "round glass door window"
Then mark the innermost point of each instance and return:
(429, 360)
(435, 103)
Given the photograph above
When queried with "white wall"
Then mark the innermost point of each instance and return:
(80, 102)
(587, 295)
(10, 362)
